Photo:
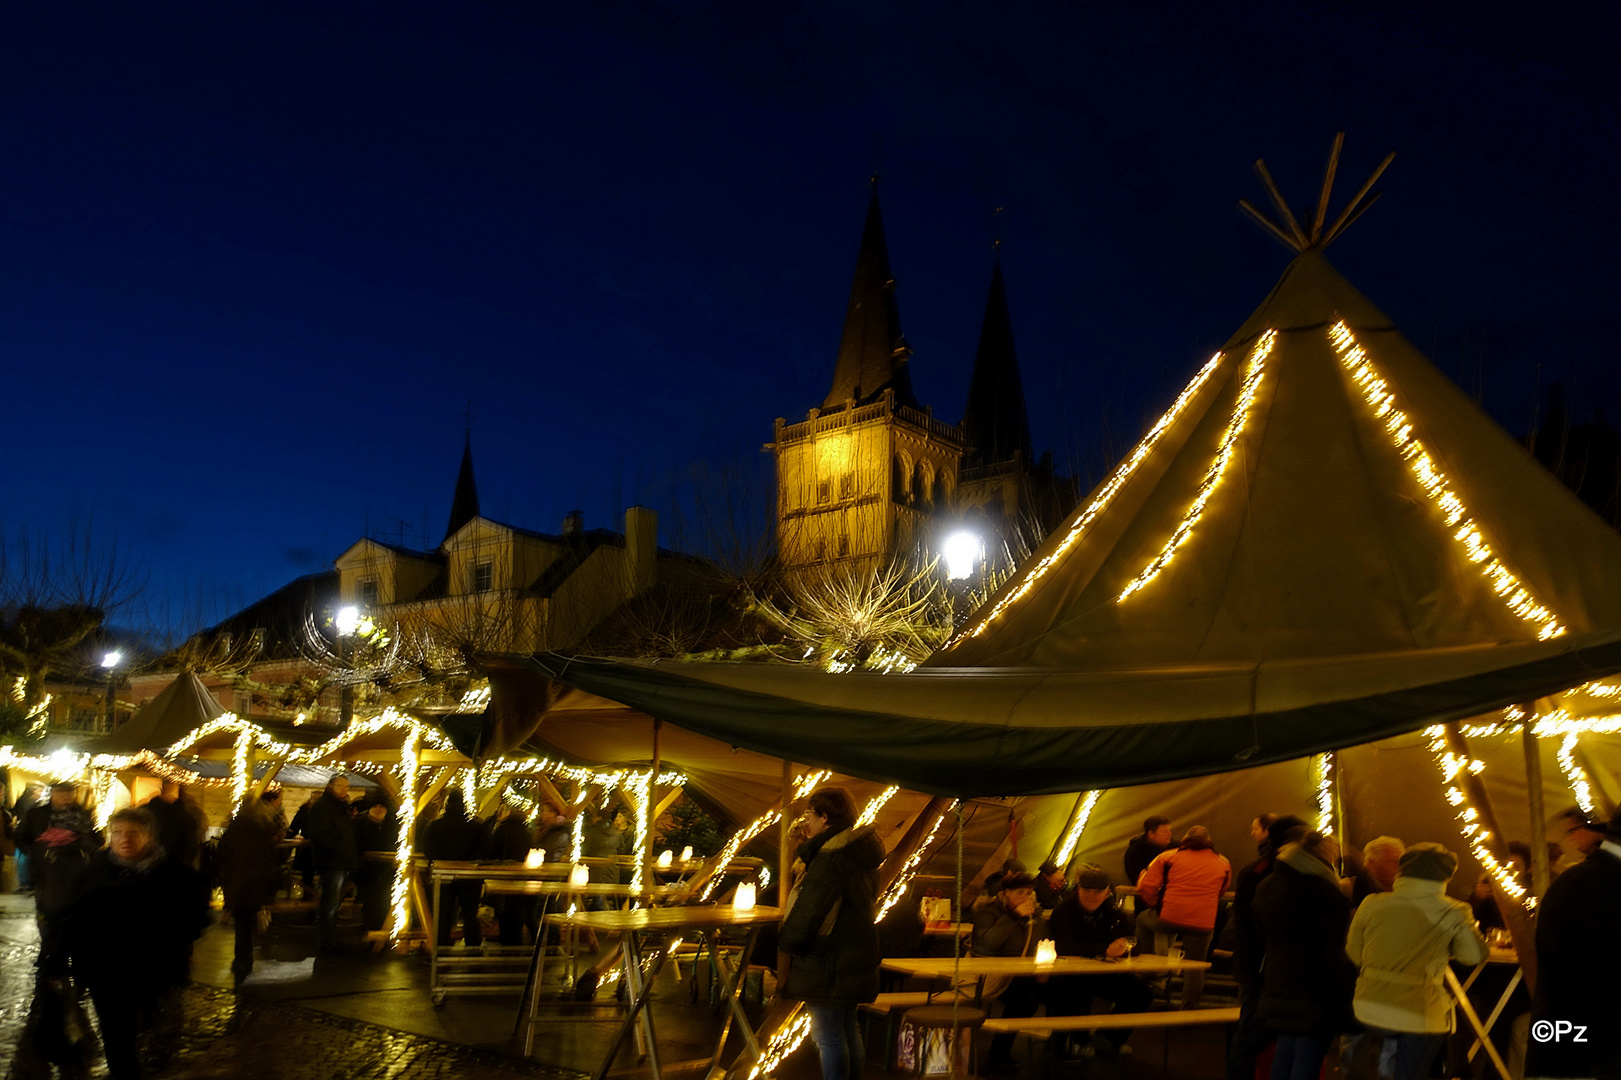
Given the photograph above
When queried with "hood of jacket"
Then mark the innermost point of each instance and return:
(860, 844)
(1299, 859)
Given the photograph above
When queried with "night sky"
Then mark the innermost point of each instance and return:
(255, 258)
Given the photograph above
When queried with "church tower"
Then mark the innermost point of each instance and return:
(866, 474)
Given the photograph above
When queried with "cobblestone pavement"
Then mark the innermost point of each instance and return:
(223, 1035)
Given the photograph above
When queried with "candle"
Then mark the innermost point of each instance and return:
(743, 899)
(665, 859)
(1046, 951)
(580, 875)
(686, 853)
(536, 858)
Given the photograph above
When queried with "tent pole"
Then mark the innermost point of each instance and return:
(1069, 821)
(646, 853)
(1339, 792)
(1539, 817)
(785, 859)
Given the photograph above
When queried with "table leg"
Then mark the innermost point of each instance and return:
(638, 992)
(1475, 974)
(1502, 1003)
(1470, 1015)
(529, 1001)
(433, 938)
(734, 1008)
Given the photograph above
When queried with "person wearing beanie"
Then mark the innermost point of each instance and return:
(1306, 981)
(1403, 941)
(1050, 885)
(1578, 958)
(1244, 939)
(1089, 923)
(1010, 925)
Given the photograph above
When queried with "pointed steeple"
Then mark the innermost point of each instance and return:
(995, 422)
(464, 506)
(872, 352)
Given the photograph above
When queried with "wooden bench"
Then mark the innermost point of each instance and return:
(1040, 1027)
(892, 1006)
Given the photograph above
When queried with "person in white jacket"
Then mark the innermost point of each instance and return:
(1402, 941)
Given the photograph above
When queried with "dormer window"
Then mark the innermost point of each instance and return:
(483, 576)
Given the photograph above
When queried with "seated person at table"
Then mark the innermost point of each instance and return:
(1144, 849)
(993, 882)
(1009, 926)
(1180, 895)
(1089, 923)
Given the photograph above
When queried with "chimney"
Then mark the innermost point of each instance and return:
(641, 548)
(573, 523)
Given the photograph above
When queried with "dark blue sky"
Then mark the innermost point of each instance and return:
(255, 257)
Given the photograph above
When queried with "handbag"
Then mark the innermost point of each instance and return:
(59, 1028)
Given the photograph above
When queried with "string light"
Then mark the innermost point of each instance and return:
(1099, 503)
(640, 790)
(1575, 775)
(739, 838)
(808, 783)
(1325, 793)
(786, 1040)
(1475, 833)
(869, 813)
(903, 879)
(1514, 593)
(1218, 468)
(399, 898)
(1072, 839)
(239, 769)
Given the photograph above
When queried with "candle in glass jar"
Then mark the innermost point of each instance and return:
(1046, 951)
(743, 899)
(686, 853)
(666, 858)
(580, 875)
(537, 856)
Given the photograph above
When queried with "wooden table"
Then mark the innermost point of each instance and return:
(635, 926)
(1460, 992)
(981, 967)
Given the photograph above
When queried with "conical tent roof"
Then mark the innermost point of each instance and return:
(1321, 543)
(1277, 515)
(179, 709)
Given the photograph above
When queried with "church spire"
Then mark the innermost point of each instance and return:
(872, 352)
(995, 422)
(464, 506)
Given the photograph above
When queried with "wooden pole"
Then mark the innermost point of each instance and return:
(937, 808)
(647, 811)
(785, 857)
(1328, 186)
(1539, 817)
(1344, 219)
(1266, 223)
(1283, 207)
(1058, 841)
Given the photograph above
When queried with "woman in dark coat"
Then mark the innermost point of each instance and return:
(829, 932)
(1307, 981)
(248, 869)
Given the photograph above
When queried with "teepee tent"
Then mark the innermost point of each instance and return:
(1321, 543)
(179, 709)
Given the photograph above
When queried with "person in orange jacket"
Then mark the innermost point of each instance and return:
(1180, 893)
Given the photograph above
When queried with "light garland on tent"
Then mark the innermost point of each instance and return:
(400, 895)
(869, 813)
(640, 790)
(729, 852)
(239, 769)
(1516, 595)
(808, 783)
(1325, 793)
(903, 880)
(1598, 690)
(1072, 839)
(1218, 468)
(1099, 503)
(1575, 776)
(1475, 832)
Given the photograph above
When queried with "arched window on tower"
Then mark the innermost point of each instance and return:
(922, 487)
(942, 497)
(899, 482)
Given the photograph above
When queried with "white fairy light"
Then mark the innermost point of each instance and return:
(1515, 594)
(1575, 775)
(1072, 839)
(1452, 767)
(1225, 453)
(869, 813)
(1325, 794)
(903, 879)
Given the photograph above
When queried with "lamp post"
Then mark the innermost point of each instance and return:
(109, 663)
(963, 552)
(346, 622)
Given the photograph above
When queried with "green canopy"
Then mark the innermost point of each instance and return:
(1322, 543)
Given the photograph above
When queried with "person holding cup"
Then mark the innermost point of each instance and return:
(1088, 922)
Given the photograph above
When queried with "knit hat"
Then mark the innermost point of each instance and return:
(1017, 881)
(1429, 861)
(1048, 867)
(1092, 877)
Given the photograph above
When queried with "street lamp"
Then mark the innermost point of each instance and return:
(347, 621)
(109, 662)
(962, 551)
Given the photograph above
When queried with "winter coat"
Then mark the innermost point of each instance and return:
(1139, 853)
(135, 922)
(180, 827)
(1078, 932)
(828, 931)
(601, 840)
(999, 932)
(456, 839)
(331, 833)
(247, 865)
(557, 842)
(376, 836)
(509, 840)
(1185, 885)
(1245, 938)
(1306, 979)
(1403, 941)
(1578, 955)
(59, 842)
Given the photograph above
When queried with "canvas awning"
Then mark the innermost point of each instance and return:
(179, 709)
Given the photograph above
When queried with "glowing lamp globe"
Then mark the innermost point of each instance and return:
(347, 620)
(962, 551)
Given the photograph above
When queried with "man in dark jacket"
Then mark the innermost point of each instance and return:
(1008, 926)
(829, 931)
(1144, 849)
(130, 930)
(59, 836)
(554, 834)
(248, 867)
(180, 823)
(1250, 1037)
(334, 851)
(1578, 995)
(456, 837)
(377, 832)
(510, 841)
(1089, 923)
